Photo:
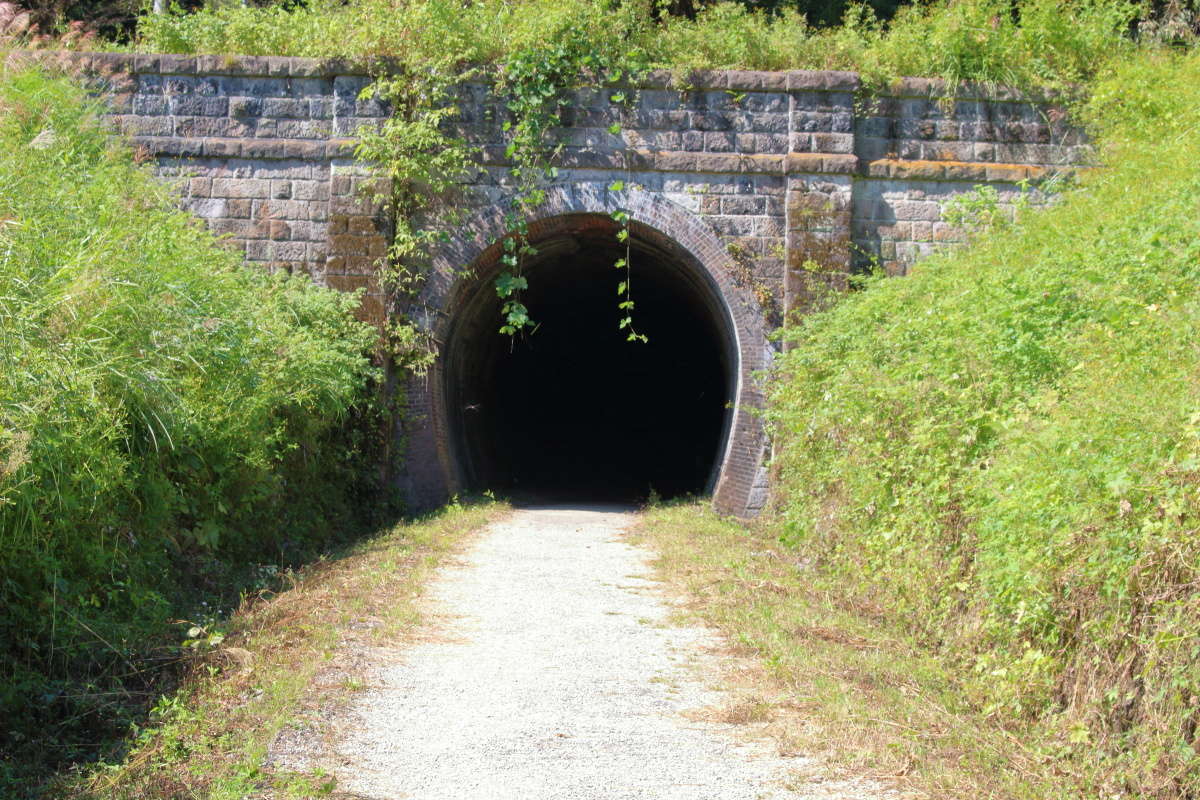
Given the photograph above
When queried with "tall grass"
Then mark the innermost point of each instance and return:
(167, 418)
(1003, 450)
(1032, 43)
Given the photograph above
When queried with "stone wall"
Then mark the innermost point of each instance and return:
(791, 169)
(770, 185)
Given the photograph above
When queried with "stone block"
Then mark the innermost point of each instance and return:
(769, 143)
(743, 205)
(285, 108)
(198, 106)
(718, 142)
(240, 187)
(245, 106)
(840, 143)
(238, 209)
(146, 105)
(302, 129)
(914, 211)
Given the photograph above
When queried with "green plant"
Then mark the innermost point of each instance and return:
(169, 420)
(998, 451)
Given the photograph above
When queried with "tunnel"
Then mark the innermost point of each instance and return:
(572, 410)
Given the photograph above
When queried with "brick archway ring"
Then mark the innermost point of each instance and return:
(739, 485)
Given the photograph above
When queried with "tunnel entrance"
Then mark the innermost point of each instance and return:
(573, 411)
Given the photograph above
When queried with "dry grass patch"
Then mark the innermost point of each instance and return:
(291, 658)
(826, 678)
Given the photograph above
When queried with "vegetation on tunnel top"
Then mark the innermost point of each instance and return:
(1033, 43)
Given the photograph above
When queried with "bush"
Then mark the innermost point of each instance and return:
(168, 419)
(1045, 44)
(1003, 450)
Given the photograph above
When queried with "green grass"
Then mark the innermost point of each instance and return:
(1053, 44)
(834, 677)
(172, 425)
(1002, 451)
(287, 660)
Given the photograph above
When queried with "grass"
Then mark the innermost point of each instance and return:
(174, 428)
(1047, 44)
(831, 676)
(286, 660)
(999, 453)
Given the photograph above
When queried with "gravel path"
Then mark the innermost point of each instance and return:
(551, 672)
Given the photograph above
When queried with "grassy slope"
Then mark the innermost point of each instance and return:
(1001, 452)
(169, 421)
(834, 677)
(281, 664)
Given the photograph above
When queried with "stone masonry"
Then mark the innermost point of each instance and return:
(790, 176)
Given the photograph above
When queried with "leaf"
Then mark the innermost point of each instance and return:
(624, 323)
(616, 186)
(615, 128)
(621, 287)
(507, 284)
(619, 263)
(622, 235)
(619, 97)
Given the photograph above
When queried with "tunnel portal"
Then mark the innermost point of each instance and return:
(573, 410)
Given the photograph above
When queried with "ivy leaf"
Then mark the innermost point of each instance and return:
(625, 305)
(622, 235)
(615, 128)
(621, 287)
(517, 316)
(616, 186)
(619, 97)
(507, 126)
(620, 262)
(508, 283)
(624, 323)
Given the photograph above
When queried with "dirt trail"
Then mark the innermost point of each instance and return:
(548, 670)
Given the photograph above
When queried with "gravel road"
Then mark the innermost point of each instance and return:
(548, 670)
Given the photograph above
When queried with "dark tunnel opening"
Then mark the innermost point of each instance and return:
(574, 411)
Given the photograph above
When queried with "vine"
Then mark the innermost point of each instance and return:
(538, 81)
(424, 164)
(422, 169)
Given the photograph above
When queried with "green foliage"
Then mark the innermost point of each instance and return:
(1002, 450)
(1035, 43)
(168, 419)
(533, 53)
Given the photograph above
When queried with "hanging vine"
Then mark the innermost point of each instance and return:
(425, 165)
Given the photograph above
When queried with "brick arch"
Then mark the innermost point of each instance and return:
(460, 264)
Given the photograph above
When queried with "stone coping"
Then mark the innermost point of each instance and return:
(731, 79)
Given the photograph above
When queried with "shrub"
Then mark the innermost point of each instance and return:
(168, 418)
(1001, 449)
(1045, 44)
